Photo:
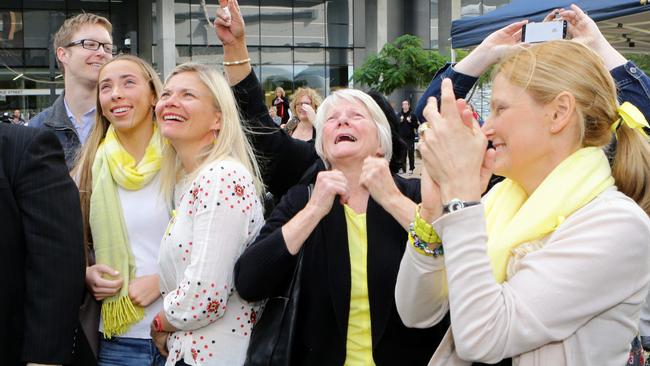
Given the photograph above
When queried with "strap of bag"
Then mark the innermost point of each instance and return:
(295, 278)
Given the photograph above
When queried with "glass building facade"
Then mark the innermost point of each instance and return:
(292, 43)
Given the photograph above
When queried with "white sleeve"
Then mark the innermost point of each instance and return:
(421, 289)
(220, 229)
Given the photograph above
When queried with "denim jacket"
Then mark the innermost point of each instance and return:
(633, 86)
(55, 118)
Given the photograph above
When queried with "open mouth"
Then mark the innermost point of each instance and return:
(174, 117)
(121, 110)
(344, 138)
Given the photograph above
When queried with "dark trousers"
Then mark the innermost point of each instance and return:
(410, 153)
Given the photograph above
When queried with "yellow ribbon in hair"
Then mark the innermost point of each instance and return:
(513, 218)
(114, 166)
(632, 117)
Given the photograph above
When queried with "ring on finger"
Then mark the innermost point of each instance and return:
(423, 127)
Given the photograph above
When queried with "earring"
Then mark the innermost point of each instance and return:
(214, 133)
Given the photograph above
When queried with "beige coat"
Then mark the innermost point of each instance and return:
(571, 299)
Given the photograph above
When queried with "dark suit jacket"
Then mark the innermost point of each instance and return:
(265, 269)
(42, 263)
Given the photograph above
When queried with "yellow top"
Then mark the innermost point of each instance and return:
(359, 342)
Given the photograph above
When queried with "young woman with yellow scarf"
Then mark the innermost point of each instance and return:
(553, 265)
(124, 214)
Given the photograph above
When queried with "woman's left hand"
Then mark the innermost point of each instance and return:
(144, 290)
(229, 25)
(376, 178)
(453, 148)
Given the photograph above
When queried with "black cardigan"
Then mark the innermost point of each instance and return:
(265, 269)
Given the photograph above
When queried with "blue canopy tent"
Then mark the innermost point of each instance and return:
(468, 32)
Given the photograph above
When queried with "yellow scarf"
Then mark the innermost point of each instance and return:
(114, 165)
(514, 218)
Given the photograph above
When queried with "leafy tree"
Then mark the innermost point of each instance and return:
(400, 63)
(641, 60)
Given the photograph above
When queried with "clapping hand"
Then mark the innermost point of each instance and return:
(453, 147)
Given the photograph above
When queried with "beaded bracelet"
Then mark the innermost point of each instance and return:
(423, 247)
(235, 63)
(422, 234)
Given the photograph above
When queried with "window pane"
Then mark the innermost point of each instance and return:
(339, 76)
(182, 22)
(309, 23)
(202, 32)
(250, 10)
(339, 23)
(309, 56)
(434, 24)
(12, 57)
(44, 4)
(209, 55)
(11, 29)
(276, 55)
(37, 58)
(489, 5)
(183, 54)
(470, 8)
(39, 25)
(273, 76)
(276, 23)
(339, 56)
(310, 76)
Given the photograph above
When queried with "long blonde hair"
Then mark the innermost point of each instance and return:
(231, 141)
(83, 166)
(547, 69)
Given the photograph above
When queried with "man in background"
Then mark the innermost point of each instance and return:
(408, 129)
(82, 45)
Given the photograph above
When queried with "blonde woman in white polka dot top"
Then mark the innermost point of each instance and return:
(210, 172)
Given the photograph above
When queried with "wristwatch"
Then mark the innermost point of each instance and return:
(456, 204)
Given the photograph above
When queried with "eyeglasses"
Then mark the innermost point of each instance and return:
(92, 45)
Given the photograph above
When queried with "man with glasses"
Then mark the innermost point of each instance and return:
(82, 45)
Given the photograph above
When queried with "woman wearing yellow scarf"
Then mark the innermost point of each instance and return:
(124, 215)
(553, 266)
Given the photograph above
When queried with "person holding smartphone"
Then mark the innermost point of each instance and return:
(526, 283)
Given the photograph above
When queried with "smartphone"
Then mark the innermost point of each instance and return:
(544, 31)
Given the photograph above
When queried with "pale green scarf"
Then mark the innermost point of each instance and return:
(114, 165)
(514, 218)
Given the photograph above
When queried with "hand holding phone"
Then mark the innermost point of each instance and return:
(544, 31)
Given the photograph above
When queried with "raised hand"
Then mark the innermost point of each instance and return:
(490, 51)
(99, 286)
(453, 147)
(229, 23)
(329, 184)
(583, 29)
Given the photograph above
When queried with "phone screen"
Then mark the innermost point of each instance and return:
(544, 31)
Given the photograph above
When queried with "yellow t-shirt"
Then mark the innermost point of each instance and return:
(359, 341)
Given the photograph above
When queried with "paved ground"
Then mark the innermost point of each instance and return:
(416, 172)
